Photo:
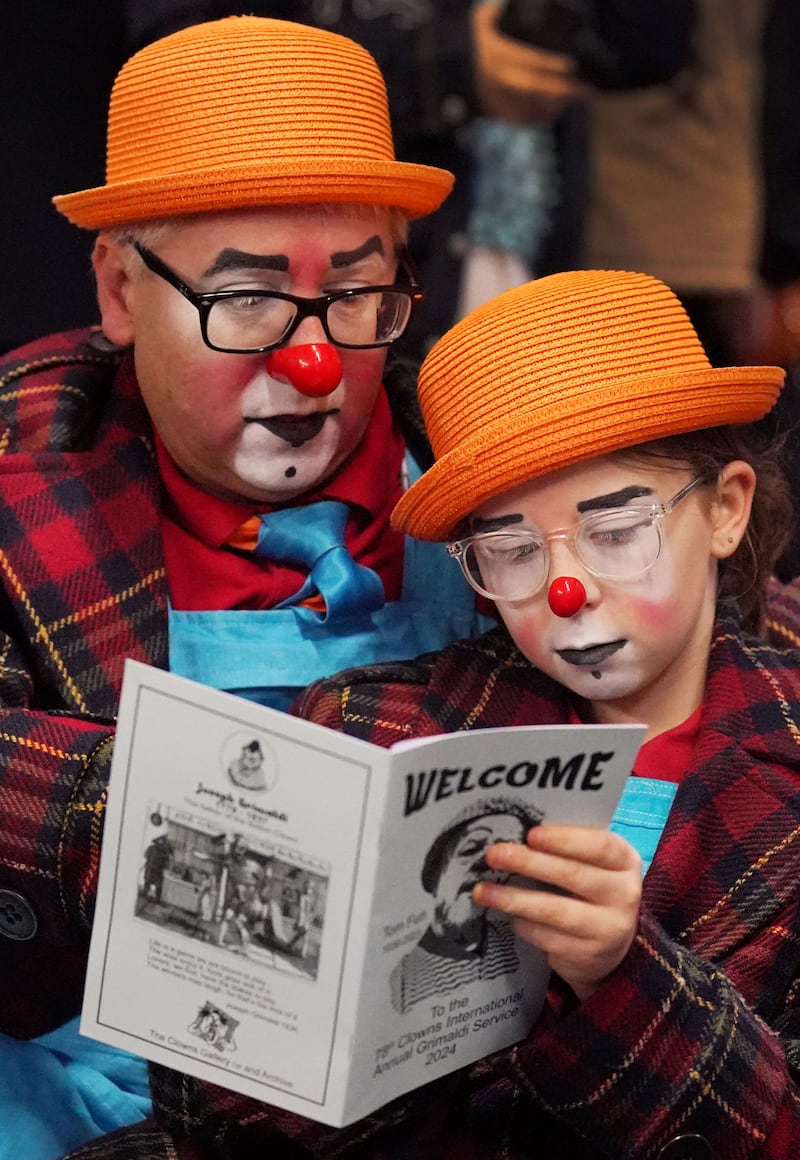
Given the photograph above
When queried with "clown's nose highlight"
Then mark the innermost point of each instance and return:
(566, 596)
(314, 369)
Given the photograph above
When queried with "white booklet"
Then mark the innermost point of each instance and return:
(286, 911)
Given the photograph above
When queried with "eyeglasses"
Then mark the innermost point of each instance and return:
(619, 544)
(251, 321)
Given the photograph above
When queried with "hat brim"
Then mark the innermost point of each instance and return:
(414, 189)
(531, 443)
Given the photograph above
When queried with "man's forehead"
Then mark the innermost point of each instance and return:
(310, 218)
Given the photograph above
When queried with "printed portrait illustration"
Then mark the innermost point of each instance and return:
(245, 764)
(462, 943)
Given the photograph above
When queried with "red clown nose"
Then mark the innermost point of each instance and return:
(566, 596)
(313, 369)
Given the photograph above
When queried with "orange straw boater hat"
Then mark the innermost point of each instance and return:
(248, 111)
(558, 371)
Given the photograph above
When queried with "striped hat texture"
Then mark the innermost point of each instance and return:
(558, 371)
(248, 111)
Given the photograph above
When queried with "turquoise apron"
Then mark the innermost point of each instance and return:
(270, 655)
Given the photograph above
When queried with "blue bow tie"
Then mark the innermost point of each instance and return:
(313, 536)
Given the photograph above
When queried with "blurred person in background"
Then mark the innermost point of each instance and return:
(537, 62)
(676, 174)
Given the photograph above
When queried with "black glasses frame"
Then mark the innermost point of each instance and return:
(306, 307)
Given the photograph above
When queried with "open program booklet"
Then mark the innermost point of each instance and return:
(286, 911)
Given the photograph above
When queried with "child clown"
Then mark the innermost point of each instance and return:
(600, 482)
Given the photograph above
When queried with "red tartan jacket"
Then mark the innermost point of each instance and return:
(82, 587)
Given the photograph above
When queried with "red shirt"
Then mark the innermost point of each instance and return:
(204, 573)
(668, 756)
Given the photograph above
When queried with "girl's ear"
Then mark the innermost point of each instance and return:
(113, 289)
(731, 507)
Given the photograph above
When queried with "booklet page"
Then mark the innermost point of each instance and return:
(448, 982)
(230, 856)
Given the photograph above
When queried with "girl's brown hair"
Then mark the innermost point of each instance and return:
(743, 577)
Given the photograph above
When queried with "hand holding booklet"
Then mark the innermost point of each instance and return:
(286, 911)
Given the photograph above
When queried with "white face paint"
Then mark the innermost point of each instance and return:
(232, 427)
(638, 649)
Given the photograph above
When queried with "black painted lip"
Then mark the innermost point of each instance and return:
(295, 429)
(595, 655)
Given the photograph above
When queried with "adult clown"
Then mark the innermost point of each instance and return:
(251, 274)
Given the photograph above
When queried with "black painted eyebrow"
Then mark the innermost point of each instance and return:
(372, 245)
(240, 260)
(232, 259)
(478, 526)
(614, 499)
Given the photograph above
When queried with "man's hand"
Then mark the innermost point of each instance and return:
(587, 930)
(517, 82)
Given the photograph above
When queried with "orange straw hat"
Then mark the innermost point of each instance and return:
(248, 111)
(558, 371)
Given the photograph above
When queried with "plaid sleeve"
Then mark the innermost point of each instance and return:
(53, 775)
(379, 703)
(668, 1045)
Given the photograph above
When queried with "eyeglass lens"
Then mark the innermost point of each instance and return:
(511, 566)
(361, 318)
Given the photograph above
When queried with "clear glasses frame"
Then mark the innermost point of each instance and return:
(304, 307)
(641, 515)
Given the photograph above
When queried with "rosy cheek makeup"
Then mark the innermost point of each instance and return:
(653, 614)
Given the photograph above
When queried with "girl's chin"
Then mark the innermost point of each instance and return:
(597, 685)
